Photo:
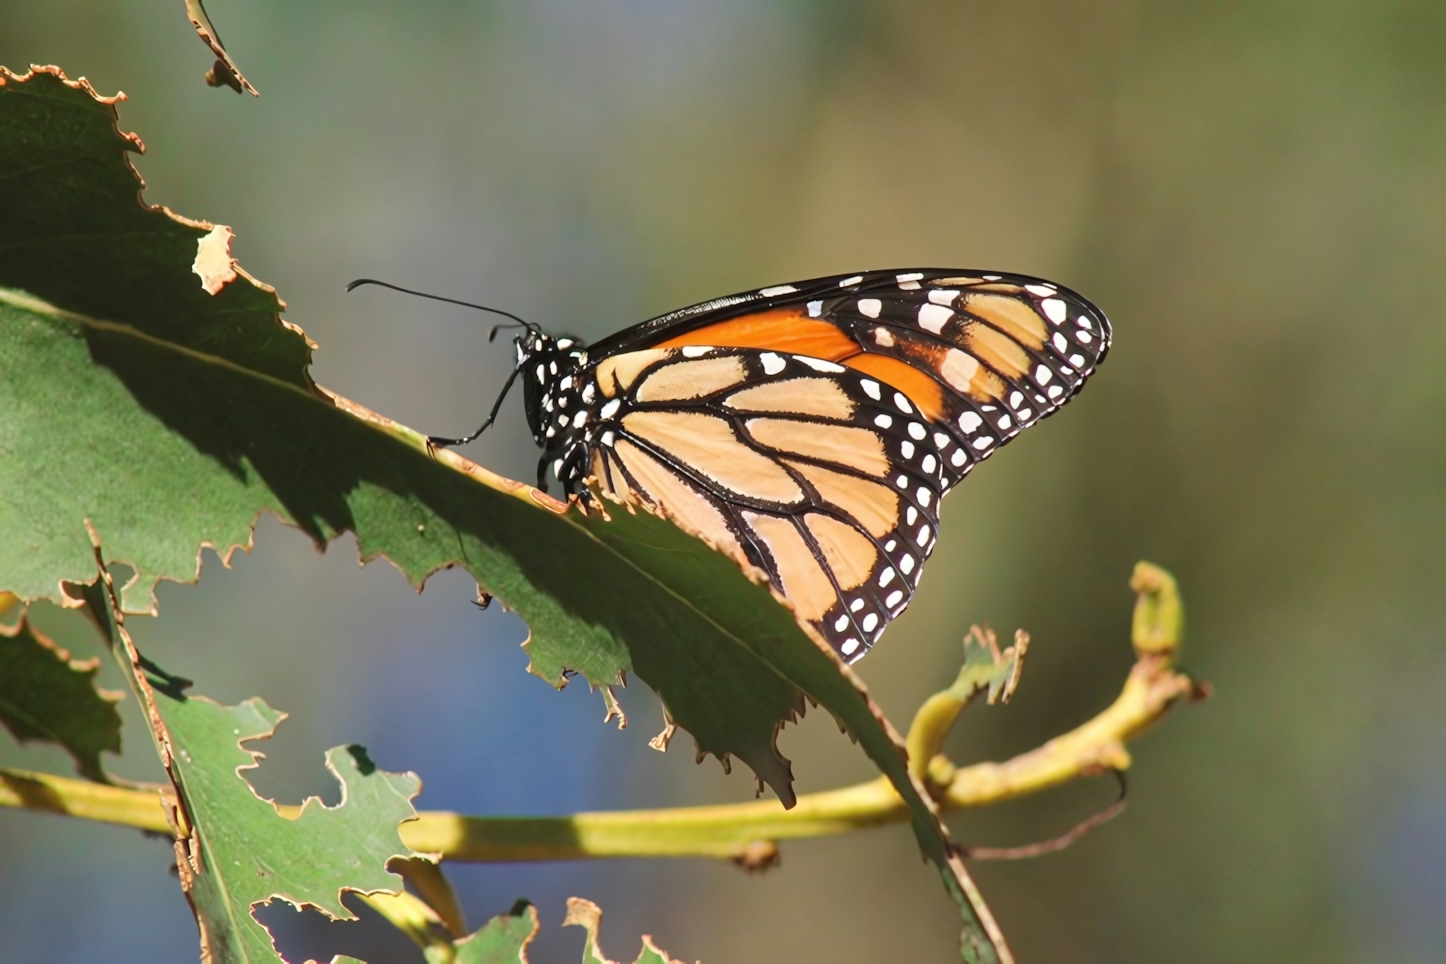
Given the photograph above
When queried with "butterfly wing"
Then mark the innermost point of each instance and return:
(814, 428)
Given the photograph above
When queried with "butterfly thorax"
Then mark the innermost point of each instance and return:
(552, 372)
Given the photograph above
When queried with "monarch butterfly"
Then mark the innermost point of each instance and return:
(811, 428)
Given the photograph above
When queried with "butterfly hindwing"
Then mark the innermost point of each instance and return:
(808, 469)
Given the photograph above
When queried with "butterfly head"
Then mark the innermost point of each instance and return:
(547, 366)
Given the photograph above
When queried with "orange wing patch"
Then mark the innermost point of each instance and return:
(691, 379)
(803, 581)
(850, 556)
(875, 506)
(920, 389)
(792, 331)
(787, 330)
(997, 350)
(619, 372)
(708, 443)
(840, 444)
(803, 396)
(664, 487)
(1009, 315)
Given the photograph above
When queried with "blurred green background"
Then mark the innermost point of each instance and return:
(1255, 193)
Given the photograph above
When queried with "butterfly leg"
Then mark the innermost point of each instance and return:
(433, 440)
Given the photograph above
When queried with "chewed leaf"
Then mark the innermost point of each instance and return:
(140, 410)
(503, 940)
(584, 913)
(241, 852)
(46, 695)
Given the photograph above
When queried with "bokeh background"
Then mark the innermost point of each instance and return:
(1256, 194)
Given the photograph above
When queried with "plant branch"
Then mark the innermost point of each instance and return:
(749, 832)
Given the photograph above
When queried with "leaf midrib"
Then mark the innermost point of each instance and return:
(28, 302)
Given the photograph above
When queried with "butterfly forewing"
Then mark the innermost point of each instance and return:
(813, 428)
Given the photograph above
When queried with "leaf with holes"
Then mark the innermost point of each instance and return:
(241, 852)
(585, 914)
(45, 695)
(152, 397)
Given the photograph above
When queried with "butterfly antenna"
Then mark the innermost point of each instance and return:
(352, 286)
(434, 440)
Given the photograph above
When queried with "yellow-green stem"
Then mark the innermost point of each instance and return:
(742, 832)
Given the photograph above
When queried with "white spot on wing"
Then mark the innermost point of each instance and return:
(780, 290)
(849, 646)
(870, 387)
(840, 624)
(970, 422)
(695, 351)
(853, 280)
(1044, 291)
(917, 432)
(943, 296)
(772, 364)
(611, 408)
(819, 365)
(911, 276)
(906, 448)
(815, 308)
(870, 621)
(894, 598)
(934, 317)
(903, 403)
(1056, 310)
(1042, 375)
(883, 420)
(870, 307)
(886, 577)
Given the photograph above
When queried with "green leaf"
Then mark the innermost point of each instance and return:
(586, 914)
(46, 695)
(503, 940)
(242, 852)
(158, 423)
